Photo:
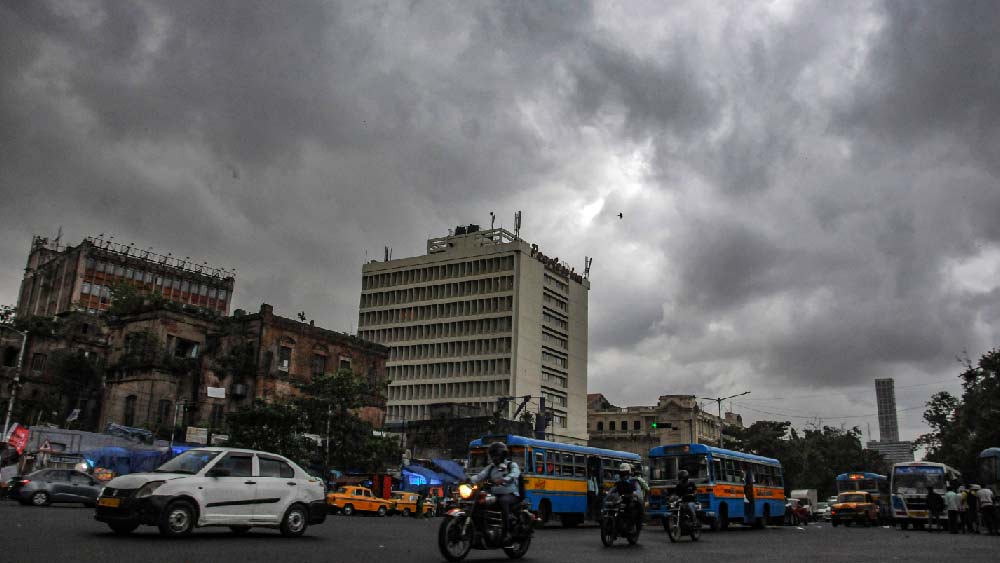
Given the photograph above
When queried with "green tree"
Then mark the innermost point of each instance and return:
(963, 427)
(77, 377)
(272, 427)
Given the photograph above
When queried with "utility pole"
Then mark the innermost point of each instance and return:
(17, 378)
(177, 406)
(718, 400)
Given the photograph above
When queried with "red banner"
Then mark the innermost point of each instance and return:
(19, 438)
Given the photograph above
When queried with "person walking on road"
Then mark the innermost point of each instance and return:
(953, 502)
(972, 510)
(935, 505)
(986, 508)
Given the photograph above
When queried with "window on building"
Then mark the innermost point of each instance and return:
(203, 290)
(85, 289)
(185, 348)
(185, 286)
(215, 419)
(611, 426)
(318, 364)
(600, 427)
(163, 414)
(101, 266)
(176, 284)
(345, 363)
(636, 425)
(222, 294)
(624, 425)
(91, 263)
(129, 419)
(10, 354)
(38, 362)
(284, 358)
(148, 277)
(212, 292)
(119, 270)
(129, 273)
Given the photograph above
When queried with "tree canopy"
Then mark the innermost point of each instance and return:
(961, 427)
(812, 459)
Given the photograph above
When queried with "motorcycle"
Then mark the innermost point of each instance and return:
(475, 521)
(678, 522)
(618, 522)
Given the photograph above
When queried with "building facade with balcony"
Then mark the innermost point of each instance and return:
(482, 316)
(678, 419)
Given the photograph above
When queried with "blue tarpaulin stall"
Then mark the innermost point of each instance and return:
(123, 461)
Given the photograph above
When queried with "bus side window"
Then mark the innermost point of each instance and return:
(567, 465)
(580, 466)
(540, 463)
(552, 463)
(730, 471)
(717, 470)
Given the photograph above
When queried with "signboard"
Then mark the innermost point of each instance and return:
(196, 435)
(19, 438)
(219, 439)
(216, 392)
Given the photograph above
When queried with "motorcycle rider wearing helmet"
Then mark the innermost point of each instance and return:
(685, 489)
(626, 487)
(502, 474)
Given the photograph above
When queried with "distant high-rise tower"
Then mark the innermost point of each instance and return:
(885, 396)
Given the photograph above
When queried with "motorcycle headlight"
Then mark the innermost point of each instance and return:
(148, 488)
(464, 491)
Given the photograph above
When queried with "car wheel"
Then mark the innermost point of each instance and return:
(381, 511)
(178, 519)
(40, 499)
(239, 530)
(295, 522)
(406, 512)
(123, 528)
(347, 510)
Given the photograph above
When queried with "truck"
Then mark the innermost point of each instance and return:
(807, 498)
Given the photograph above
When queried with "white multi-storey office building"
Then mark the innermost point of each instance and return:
(482, 315)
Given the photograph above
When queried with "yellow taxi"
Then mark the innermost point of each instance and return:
(854, 506)
(349, 500)
(405, 503)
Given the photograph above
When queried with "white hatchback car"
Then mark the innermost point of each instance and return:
(215, 487)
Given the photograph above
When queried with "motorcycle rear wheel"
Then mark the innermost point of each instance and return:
(673, 527)
(520, 547)
(695, 531)
(633, 538)
(454, 546)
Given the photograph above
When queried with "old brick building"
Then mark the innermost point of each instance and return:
(58, 278)
(161, 356)
(678, 420)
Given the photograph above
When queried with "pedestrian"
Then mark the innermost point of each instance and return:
(420, 504)
(987, 508)
(592, 495)
(935, 505)
(953, 502)
(963, 508)
(972, 509)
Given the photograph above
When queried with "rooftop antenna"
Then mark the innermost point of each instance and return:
(517, 225)
(586, 269)
(493, 219)
(386, 253)
(59, 235)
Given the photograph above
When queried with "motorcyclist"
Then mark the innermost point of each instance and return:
(628, 490)
(502, 474)
(685, 489)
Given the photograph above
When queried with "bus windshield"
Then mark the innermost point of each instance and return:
(988, 470)
(916, 480)
(666, 468)
(857, 485)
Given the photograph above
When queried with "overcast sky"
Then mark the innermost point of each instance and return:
(809, 190)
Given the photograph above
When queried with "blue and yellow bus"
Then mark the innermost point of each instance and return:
(909, 484)
(554, 475)
(989, 470)
(877, 485)
(731, 486)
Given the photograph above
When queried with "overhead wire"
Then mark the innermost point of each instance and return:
(823, 417)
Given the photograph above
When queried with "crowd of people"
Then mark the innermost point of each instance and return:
(963, 510)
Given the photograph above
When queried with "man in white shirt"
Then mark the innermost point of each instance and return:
(953, 502)
(986, 508)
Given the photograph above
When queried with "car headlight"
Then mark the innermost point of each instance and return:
(464, 491)
(147, 489)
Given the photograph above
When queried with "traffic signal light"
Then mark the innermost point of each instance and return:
(657, 424)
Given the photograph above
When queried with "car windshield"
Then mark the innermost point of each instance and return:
(189, 462)
(342, 491)
(848, 497)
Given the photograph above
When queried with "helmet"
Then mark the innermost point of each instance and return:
(498, 452)
(625, 468)
(682, 474)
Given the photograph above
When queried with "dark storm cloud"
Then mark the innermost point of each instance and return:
(805, 187)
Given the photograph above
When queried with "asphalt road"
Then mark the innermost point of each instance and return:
(69, 534)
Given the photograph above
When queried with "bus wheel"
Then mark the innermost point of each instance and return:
(544, 512)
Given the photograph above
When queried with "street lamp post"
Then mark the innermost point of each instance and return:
(719, 400)
(17, 377)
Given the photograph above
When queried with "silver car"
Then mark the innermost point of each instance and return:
(46, 486)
